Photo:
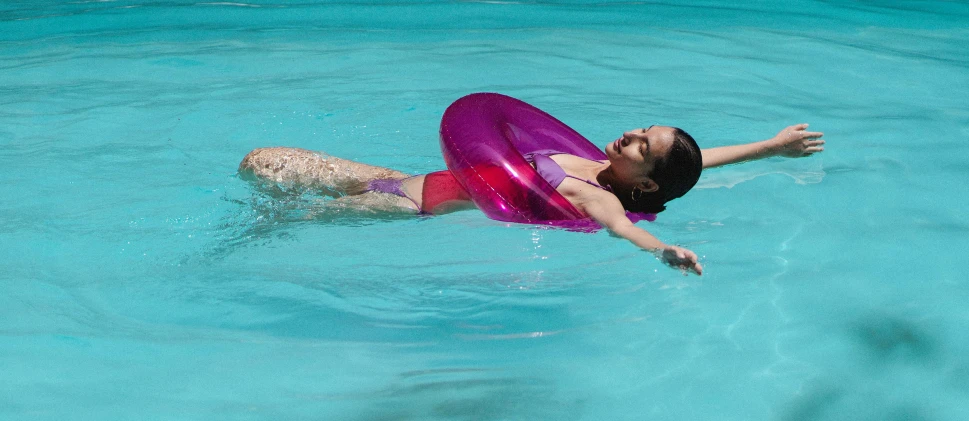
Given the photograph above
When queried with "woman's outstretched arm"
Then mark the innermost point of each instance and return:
(610, 213)
(792, 142)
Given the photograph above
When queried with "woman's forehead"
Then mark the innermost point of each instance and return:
(664, 133)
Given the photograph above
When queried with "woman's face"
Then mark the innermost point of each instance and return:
(634, 155)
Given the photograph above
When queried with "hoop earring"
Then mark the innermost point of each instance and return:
(635, 197)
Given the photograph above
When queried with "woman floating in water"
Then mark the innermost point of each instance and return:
(645, 169)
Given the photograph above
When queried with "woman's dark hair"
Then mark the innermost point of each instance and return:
(675, 175)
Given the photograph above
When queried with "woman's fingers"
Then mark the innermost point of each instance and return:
(797, 142)
(682, 259)
(811, 135)
(690, 262)
(692, 266)
(813, 146)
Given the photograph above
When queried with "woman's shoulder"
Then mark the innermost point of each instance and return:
(580, 190)
(590, 199)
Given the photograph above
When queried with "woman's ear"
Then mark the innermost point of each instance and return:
(648, 186)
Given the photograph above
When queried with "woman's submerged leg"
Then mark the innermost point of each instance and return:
(301, 169)
(295, 167)
(369, 203)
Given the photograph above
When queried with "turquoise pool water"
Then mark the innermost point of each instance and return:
(141, 279)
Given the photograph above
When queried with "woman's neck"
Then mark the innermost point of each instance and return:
(604, 175)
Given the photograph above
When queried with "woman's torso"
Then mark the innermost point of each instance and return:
(572, 176)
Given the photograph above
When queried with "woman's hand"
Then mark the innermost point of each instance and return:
(795, 142)
(681, 258)
(792, 142)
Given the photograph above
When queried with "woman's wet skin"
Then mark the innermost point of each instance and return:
(634, 154)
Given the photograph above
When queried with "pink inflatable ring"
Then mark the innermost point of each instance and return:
(483, 138)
